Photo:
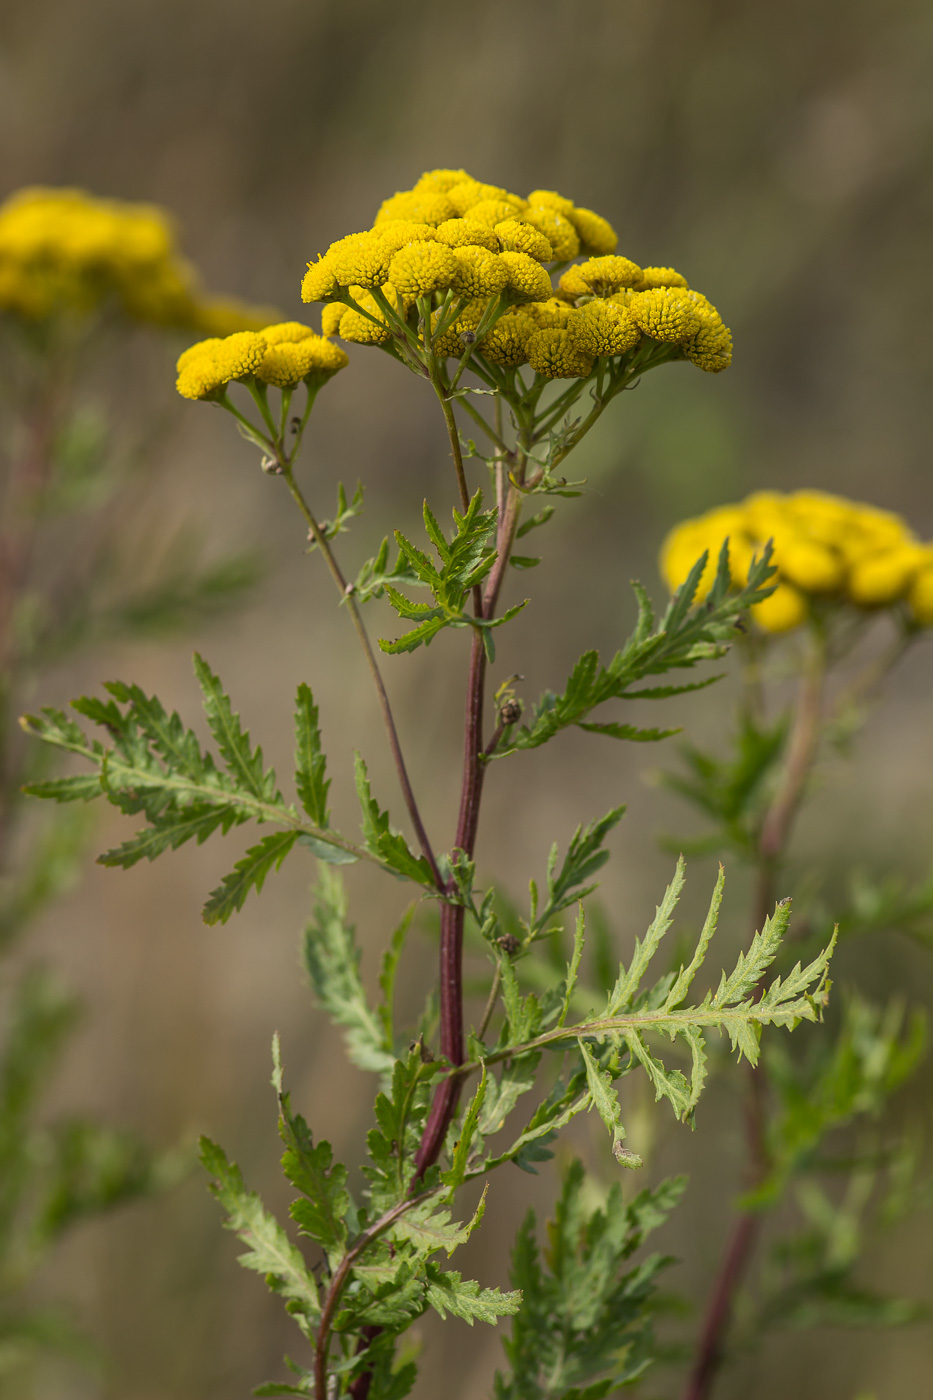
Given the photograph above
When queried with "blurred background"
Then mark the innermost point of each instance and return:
(780, 157)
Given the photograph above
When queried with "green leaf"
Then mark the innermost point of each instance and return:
(603, 1096)
(83, 787)
(243, 764)
(173, 831)
(454, 1178)
(248, 874)
(387, 973)
(685, 636)
(448, 1292)
(310, 763)
(625, 991)
(384, 843)
(321, 1213)
(332, 958)
(268, 1249)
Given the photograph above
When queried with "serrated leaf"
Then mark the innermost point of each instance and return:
(390, 847)
(268, 1249)
(244, 765)
(332, 958)
(448, 1292)
(247, 874)
(321, 1213)
(629, 980)
(453, 1178)
(310, 763)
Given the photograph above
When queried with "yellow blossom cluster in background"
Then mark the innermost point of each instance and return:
(64, 252)
(475, 259)
(825, 548)
(282, 355)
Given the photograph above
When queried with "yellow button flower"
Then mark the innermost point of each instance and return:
(880, 579)
(517, 236)
(527, 279)
(422, 268)
(492, 211)
(507, 342)
(207, 367)
(462, 233)
(550, 313)
(482, 274)
(319, 281)
(361, 260)
(811, 566)
(422, 207)
(597, 236)
(659, 277)
(785, 609)
(331, 317)
(395, 233)
(558, 230)
(468, 193)
(440, 180)
(550, 199)
(602, 328)
(450, 344)
(710, 349)
(666, 314)
(920, 595)
(294, 352)
(603, 276)
(553, 354)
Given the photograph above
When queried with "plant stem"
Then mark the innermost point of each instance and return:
(346, 594)
(773, 839)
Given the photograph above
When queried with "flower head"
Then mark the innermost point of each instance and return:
(461, 233)
(294, 352)
(602, 328)
(482, 274)
(209, 366)
(527, 279)
(665, 313)
(555, 355)
(557, 229)
(597, 236)
(421, 268)
(424, 206)
(507, 342)
(517, 236)
(826, 549)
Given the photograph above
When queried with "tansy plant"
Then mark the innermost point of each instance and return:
(525, 322)
(78, 277)
(854, 590)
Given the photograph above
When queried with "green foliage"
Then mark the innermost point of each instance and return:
(332, 958)
(584, 1328)
(381, 841)
(465, 561)
(732, 792)
(684, 637)
(53, 1175)
(156, 767)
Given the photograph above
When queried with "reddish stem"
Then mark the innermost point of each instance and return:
(772, 842)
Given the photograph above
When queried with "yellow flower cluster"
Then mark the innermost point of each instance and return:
(63, 251)
(824, 547)
(456, 241)
(282, 355)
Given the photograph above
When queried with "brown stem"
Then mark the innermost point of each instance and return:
(775, 834)
(447, 1094)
